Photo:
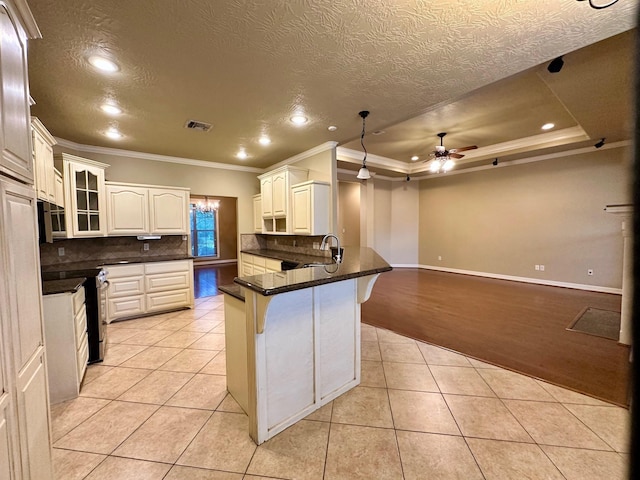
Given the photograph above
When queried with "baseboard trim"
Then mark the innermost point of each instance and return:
(405, 265)
(537, 281)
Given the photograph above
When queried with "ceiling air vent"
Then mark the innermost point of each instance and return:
(195, 125)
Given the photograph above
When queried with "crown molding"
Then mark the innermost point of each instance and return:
(154, 157)
(306, 154)
(355, 156)
(538, 158)
(26, 19)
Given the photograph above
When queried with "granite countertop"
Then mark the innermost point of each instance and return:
(233, 289)
(68, 285)
(112, 261)
(357, 262)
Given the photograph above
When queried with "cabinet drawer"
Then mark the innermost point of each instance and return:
(81, 326)
(168, 300)
(166, 267)
(258, 261)
(125, 307)
(247, 269)
(82, 359)
(125, 287)
(272, 265)
(118, 271)
(77, 300)
(171, 281)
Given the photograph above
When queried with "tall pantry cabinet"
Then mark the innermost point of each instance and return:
(25, 445)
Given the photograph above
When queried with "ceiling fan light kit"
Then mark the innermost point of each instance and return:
(443, 161)
(363, 173)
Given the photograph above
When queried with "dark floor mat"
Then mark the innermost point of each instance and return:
(602, 323)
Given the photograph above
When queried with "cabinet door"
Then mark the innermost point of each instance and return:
(87, 213)
(257, 213)
(15, 125)
(43, 168)
(280, 193)
(33, 419)
(6, 435)
(58, 189)
(19, 245)
(301, 197)
(266, 192)
(169, 211)
(127, 210)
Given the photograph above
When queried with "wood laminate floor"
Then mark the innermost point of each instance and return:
(207, 278)
(519, 326)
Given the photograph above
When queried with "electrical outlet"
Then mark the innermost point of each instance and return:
(61, 251)
(184, 238)
(145, 247)
(440, 257)
(590, 272)
(537, 267)
(542, 268)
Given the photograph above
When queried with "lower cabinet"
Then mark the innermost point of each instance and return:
(65, 323)
(33, 419)
(256, 265)
(145, 288)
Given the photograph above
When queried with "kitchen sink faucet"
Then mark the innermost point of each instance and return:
(338, 256)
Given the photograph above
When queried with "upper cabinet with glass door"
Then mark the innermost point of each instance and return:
(84, 196)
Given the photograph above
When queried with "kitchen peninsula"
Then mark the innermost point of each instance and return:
(293, 337)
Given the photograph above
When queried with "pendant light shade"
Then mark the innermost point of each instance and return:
(363, 173)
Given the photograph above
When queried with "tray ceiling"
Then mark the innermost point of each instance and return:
(473, 68)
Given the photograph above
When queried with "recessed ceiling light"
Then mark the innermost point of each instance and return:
(103, 64)
(415, 157)
(113, 133)
(299, 119)
(264, 140)
(548, 126)
(242, 155)
(111, 109)
(332, 128)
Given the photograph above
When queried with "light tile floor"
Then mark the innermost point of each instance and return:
(157, 408)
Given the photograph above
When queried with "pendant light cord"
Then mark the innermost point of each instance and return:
(363, 114)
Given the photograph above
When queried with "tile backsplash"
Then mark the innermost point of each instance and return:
(302, 244)
(110, 248)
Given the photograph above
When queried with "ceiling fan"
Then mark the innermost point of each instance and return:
(442, 158)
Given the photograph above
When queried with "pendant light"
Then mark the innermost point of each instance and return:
(207, 206)
(363, 173)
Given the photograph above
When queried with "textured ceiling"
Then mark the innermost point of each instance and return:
(246, 66)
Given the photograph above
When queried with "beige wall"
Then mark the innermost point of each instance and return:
(382, 218)
(349, 213)
(405, 205)
(506, 220)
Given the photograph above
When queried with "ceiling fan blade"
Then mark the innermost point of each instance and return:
(455, 155)
(463, 149)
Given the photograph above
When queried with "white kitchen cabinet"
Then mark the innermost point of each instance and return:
(44, 170)
(15, 129)
(275, 189)
(169, 210)
(134, 209)
(144, 288)
(33, 418)
(58, 188)
(125, 295)
(25, 443)
(310, 209)
(127, 209)
(85, 210)
(257, 265)
(257, 213)
(65, 321)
